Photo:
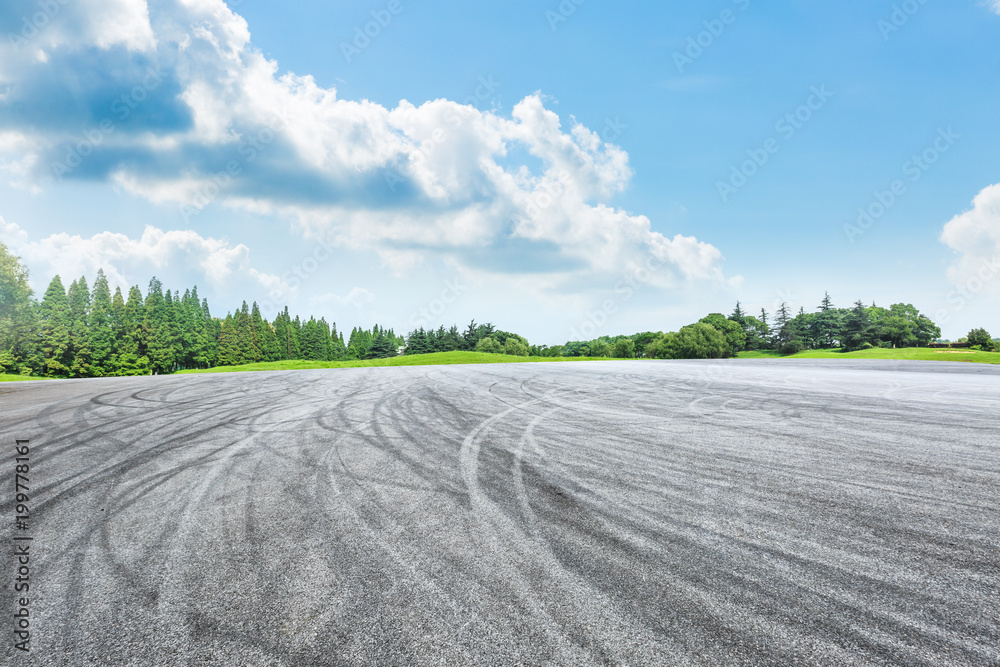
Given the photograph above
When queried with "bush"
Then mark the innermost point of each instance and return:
(599, 349)
(981, 340)
(791, 347)
(8, 364)
(515, 347)
(699, 341)
(489, 345)
(624, 349)
(659, 348)
(866, 346)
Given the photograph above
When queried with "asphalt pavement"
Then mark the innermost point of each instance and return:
(590, 513)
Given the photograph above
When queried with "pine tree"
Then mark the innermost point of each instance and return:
(55, 324)
(100, 326)
(826, 304)
(857, 327)
(337, 348)
(79, 335)
(229, 347)
(160, 348)
(738, 313)
(245, 336)
(781, 320)
(209, 331)
(132, 357)
(382, 347)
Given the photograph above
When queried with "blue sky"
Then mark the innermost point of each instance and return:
(545, 158)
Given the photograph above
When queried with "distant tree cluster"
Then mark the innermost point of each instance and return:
(476, 337)
(89, 332)
(716, 335)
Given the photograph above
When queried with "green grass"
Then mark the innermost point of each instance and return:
(434, 359)
(7, 377)
(906, 353)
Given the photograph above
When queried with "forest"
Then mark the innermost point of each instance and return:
(86, 330)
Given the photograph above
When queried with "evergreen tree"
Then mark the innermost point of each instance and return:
(260, 329)
(55, 324)
(132, 357)
(229, 346)
(211, 329)
(858, 328)
(245, 336)
(417, 343)
(782, 334)
(79, 336)
(382, 347)
(160, 348)
(826, 304)
(100, 327)
(338, 350)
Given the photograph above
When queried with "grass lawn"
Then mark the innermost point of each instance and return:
(7, 377)
(908, 353)
(434, 359)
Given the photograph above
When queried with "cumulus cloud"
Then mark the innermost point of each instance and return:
(178, 107)
(975, 236)
(127, 261)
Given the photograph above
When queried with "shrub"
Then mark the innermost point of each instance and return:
(659, 348)
(599, 349)
(488, 345)
(624, 349)
(981, 340)
(791, 347)
(866, 346)
(697, 341)
(515, 347)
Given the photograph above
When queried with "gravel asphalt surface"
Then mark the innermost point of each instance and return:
(640, 513)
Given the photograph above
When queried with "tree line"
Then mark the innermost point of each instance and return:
(83, 331)
(716, 335)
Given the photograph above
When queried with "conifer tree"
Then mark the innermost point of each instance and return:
(132, 356)
(79, 312)
(100, 327)
(160, 349)
(55, 324)
(229, 347)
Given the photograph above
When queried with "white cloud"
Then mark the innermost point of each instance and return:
(975, 236)
(494, 194)
(357, 297)
(127, 261)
